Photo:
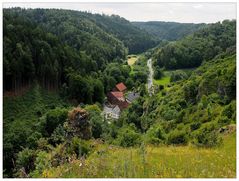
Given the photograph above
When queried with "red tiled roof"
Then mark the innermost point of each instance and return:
(121, 87)
(118, 94)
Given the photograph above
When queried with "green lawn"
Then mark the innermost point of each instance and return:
(154, 162)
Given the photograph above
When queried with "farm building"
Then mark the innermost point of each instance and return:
(111, 112)
(120, 87)
(132, 96)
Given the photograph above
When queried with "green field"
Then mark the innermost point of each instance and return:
(131, 59)
(166, 78)
(163, 81)
(153, 162)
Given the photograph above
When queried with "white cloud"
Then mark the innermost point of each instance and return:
(197, 6)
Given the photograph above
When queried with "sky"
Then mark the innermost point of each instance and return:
(175, 12)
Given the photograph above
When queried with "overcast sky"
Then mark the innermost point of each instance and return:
(177, 12)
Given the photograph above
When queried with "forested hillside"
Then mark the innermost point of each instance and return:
(202, 45)
(59, 48)
(169, 31)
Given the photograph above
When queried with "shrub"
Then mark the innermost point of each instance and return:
(32, 140)
(58, 135)
(178, 75)
(177, 137)
(54, 118)
(155, 135)
(79, 147)
(25, 159)
(128, 137)
(230, 111)
(158, 73)
(161, 87)
(207, 136)
(95, 119)
(43, 162)
(224, 121)
(195, 125)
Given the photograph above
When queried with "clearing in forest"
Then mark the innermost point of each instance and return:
(131, 59)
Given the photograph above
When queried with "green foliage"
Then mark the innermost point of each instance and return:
(230, 111)
(25, 160)
(54, 118)
(178, 75)
(177, 137)
(168, 30)
(158, 73)
(96, 120)
(42, 162)
(33, 138)
(58, 136)
(155, 135)
(23, 126)
(207, 136)
(127, 137)
(203, 44)
(79, 147)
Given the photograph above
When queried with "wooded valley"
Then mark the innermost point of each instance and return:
(64, 69)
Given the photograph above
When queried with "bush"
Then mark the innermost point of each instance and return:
(177, 137)
(161, 87)
(43, 162)
(224, 121)
(207, 136)
(25, 159)
(32, 140)
(178, 75)
(155, 135)
(195, 125)
(58, 135)
(158, 73)
(54, 118)
(79, 147)
(96, 120)
(230, 111)
(128, 137)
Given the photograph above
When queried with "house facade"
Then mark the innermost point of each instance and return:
(117, 98)
(111, 112)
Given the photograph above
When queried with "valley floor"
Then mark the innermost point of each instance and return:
(153, 162)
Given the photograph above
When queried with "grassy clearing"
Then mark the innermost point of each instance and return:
(167, 74)
(131, 59)
(154, 162)
(163, 81)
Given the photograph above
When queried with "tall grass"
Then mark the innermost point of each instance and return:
(154, 162)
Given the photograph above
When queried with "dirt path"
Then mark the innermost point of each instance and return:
(150, 77)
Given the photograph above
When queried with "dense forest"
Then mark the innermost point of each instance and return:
(201, 46)
(69, 60)
(79, 50)
(168, 31)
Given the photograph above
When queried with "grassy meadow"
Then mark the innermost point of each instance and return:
(131, 59)
(153, 162)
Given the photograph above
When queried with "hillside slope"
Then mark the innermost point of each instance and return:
(202, 45)
(192, 110)
(152, 162)
(169, 31)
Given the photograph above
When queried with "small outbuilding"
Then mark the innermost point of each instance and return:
(111, 112)
(132, 96)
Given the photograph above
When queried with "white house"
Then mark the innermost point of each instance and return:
(111, 112)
